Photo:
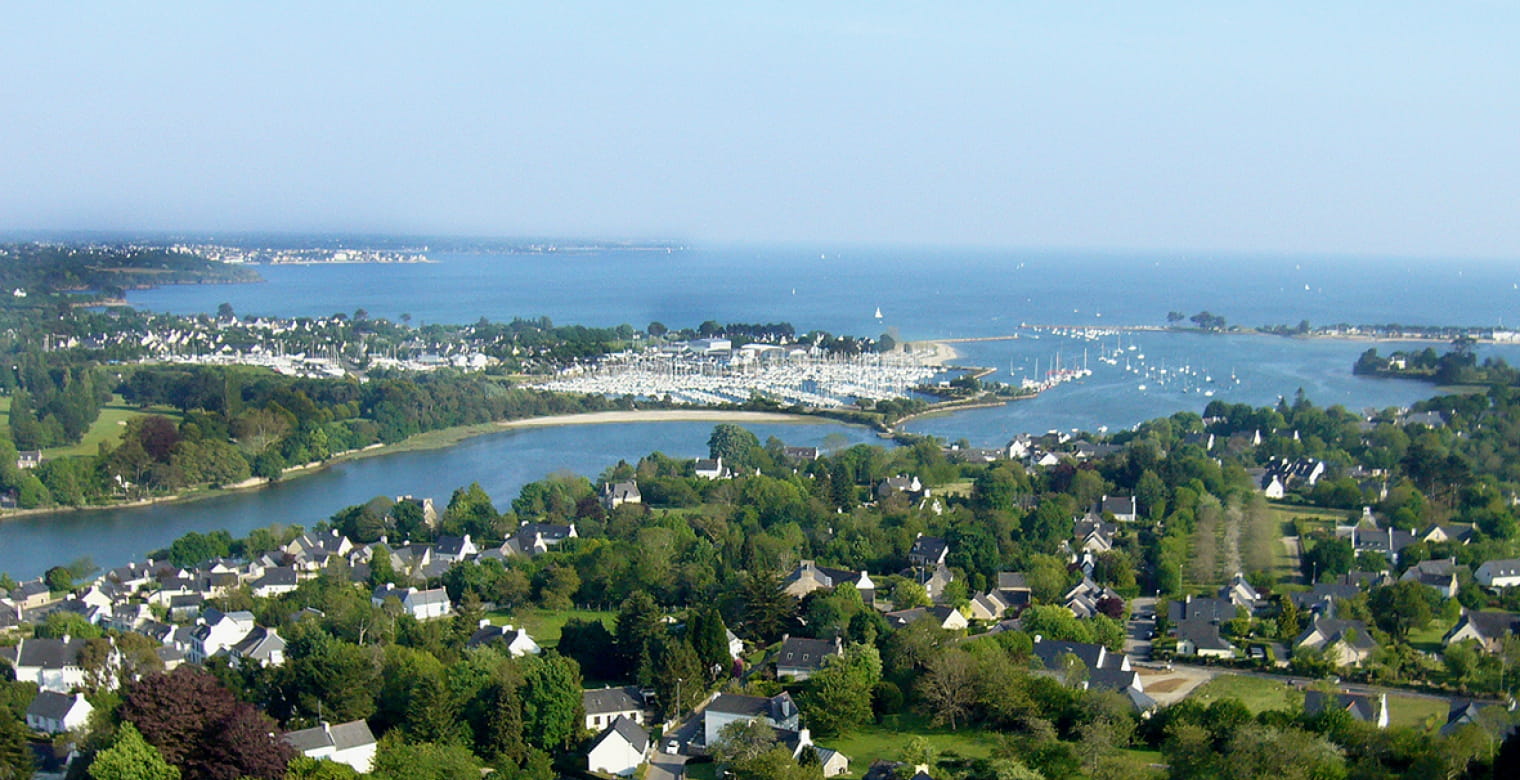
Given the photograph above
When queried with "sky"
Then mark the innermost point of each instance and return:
(1355, 127)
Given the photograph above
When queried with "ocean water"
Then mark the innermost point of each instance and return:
(922, 294)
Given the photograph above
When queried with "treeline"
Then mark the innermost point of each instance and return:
(52, 405)
(238, 422)
(1457, 367)
(47, 269)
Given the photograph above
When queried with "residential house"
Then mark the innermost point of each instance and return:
(28, 459)
(420, 604)
(778, 711)
(1457, 534)
(604, 705)
(928, 551)
(989, 606)
(1320, 599)
(710, 468)
(1499, 573)
(801, 657)
(218, 631)
(1462, 712)
(1367, 709)
(1103, 670)
(947, 618)
(1123, 508)
(799, 454)
(809, 576)
(534, 539)
(616, 494)
(53, 664)
(908, 485)
(1344, 642)
(31, 594)
(349, 743)
(1241, 593)
(619, 750)
(1488, 629)
(1293, 473)
(260, 647)
(455, 548)
(1013, 588)
(1439, 575)
(515, 641)
(1387, 542)
(1084, 597)
(1195, 622)
(276, 580)
(54, 713)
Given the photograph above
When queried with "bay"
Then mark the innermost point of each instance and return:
(501, 462)
(923, 293)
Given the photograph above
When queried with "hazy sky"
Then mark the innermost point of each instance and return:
(1377, 127)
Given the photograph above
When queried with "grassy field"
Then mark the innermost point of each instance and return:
(545, 625)
(107, 427)
(1257, 693)
(1415, 711)
(1325, 519)
(960, 487)
(886, 740)
(1428, 638)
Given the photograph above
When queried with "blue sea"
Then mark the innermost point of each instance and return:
(922, 294)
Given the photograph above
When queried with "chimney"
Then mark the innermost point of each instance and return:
(483, 623)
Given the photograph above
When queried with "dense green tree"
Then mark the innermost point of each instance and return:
(130, 757)
(551, 700)
(838, 696)
(15, 756)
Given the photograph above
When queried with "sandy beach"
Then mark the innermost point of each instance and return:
(932, 352)
(659, 415)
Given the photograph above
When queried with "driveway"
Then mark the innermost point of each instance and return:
(664, 766)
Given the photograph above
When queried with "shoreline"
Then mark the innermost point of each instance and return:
(439, 439)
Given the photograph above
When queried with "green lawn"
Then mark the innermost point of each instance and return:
(886, 740)
(113, 418)
(1257, 693)
(1414, 711)
(1428, 638)
(545, 625)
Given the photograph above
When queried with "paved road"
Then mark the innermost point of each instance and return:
(1348, 686)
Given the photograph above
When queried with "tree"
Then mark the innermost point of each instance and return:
(130, 757)
(947, 686)
(637, 626)
(398, 760)
(433, 715)
(15, 756)
(175, 711)
(1400, 607)
(709, 638)
(838, 696)
(551, 699)
(768, 611)
(241, 745)
(733, 444)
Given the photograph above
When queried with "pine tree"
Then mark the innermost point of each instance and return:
(709, 638)
(15, 756)
(433, 716)
(501, 740)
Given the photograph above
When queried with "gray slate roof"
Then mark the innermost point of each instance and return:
(340, 737)
(50, 705)
(601, 701)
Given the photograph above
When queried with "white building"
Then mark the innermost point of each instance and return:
(420, 604)
(55, 713)
(619, 750)
(217, 632)
(346, 743)
(1499, 574)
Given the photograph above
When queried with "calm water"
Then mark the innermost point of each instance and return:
(501, 462)
(922, 294)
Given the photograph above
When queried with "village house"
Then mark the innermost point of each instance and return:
(947, 618)
(907, 485)
(1488, 629)
(514, 641)
(779, 712)
(604, 705)
(809, 576)
(349, 743)
(260, 647)
(420, 604)
(55, 713)
(710, 468)
(1123, 508)
(1439, 575)
(1101, 669)
(455, 548)
(1499, 573)
(218, 631)
(928, 552)
(1344, 642)
(1366, 709)
(620, 749)
(801, 657)
(1195, 622)
(534, 539)
(616, 494)
(53, 664)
